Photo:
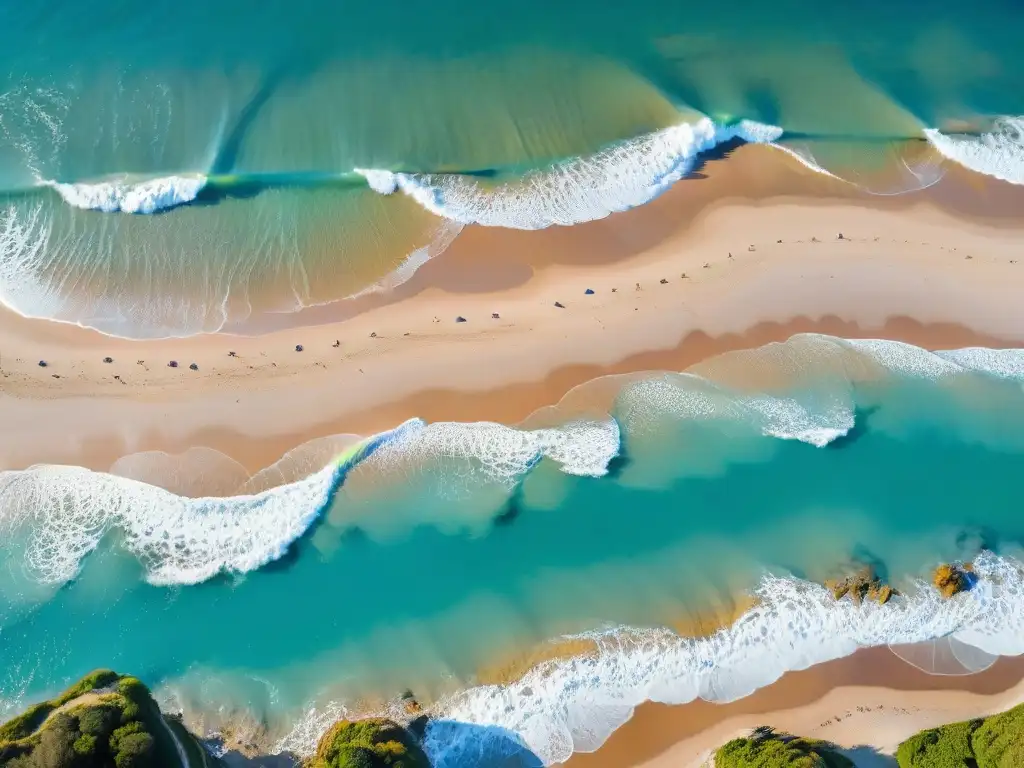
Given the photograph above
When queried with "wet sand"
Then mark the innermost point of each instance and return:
(916, 268)
(867, 703)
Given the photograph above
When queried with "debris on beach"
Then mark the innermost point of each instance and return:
(43, 363)
(560, 305)
(298, 347)
(589, 292)
(840, 236)
(193, 367)
(373, 335)
(495, 316)
(460, 319)
(664, 281)
(337, 343)
(232, 354)
(172, 364)
(108, 359)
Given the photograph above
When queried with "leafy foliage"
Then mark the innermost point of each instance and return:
(371, 743)
(995, 742)
(766, 748)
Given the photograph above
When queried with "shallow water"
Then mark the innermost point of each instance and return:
(257, 122)
(448, 548)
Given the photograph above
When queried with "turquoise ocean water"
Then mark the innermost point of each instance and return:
(425, 554)
(253, 145)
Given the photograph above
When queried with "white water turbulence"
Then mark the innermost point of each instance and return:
(998, 153)
(52, 517)
(126, 196)
(620, 177)
(573, 705)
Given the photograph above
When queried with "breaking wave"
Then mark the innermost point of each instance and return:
(148, 196)
(581, 189)
(998, 153)
(574, 705)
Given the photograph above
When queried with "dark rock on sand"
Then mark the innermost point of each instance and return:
(560, 305)
(589, 292)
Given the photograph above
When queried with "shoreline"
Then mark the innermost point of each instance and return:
(880, 700)
(756, 271)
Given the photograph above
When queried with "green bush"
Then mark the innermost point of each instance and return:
(134, 751)
(371, 743)
(28, 722)
(995, 742)
(767, 749)
(945, 747)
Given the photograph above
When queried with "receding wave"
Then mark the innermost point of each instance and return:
(145, 196)
(581, 189)
(998, 153)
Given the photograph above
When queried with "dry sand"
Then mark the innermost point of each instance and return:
(866, 703)
(757, 269)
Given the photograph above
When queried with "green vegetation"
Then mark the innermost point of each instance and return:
(103, 721)
(995, 742)
(765, 748)
(371, 743)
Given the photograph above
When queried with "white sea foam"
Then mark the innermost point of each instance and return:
(582, 189)
(998, 153)
(122, 195)
(573, 705)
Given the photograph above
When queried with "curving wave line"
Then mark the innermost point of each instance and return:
(573, 705)
(581, 189)
(54, 516)
(998, 153)
(147, 196)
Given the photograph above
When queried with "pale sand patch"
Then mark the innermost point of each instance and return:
(866, 703)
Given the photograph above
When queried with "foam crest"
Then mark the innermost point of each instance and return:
(581, 189)
(998, 153)
(504, 454)
(573, 705)
(148, 196)
(57, 515)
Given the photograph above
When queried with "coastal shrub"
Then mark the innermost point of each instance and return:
(999, 740)
(25, 724)
(370, 743)
(948, 746)
(766, 748)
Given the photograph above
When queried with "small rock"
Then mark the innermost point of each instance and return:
(232, 354)
(589, 292)
(42, 363)
(663, 281)
(193, 367)
(298, 347)
(707, 265)
(460, 319)
(172, 364)
(560, 305)
(968, 257)
(495, 316)
(373, 335)
(951, 579)
(55, 375)
(337, 343)
(615, 290)
(840, 236)
(108, 359)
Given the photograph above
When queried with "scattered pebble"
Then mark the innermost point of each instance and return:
(298, 347)
(460, 319)
(42, 363)
(337, 343)
(615, 290)
(172, 364)
(664, 281)
(685, 276)
(108, 359)
(373, 335)
(707, 265)
(560, 305)
(495, 316)
(589, 292)
(193, 367)
(968, 256)
(840, 236)
(56, 376)
(232, 354)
